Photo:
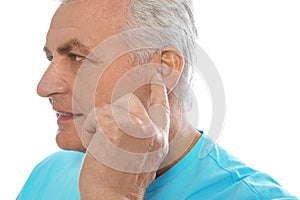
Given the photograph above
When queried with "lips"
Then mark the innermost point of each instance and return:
(67, 116)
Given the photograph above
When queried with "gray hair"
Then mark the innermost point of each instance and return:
(161, 24)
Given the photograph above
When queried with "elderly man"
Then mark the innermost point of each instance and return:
(118, 78)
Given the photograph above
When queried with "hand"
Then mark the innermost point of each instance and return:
(125, 143)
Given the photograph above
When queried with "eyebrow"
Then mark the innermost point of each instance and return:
(70, 45)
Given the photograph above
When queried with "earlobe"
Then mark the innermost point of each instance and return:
(172, 66)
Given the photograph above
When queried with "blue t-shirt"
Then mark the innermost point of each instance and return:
(199, 175)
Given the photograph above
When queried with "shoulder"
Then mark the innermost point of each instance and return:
(230, 178)
(209, 172)
(58, 172)
(59, 162)
(62, 157)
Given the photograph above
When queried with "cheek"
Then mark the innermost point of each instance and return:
(103, 92)
(108, 84)
(110, 89)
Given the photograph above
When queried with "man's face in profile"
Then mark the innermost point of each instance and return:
(76, 30)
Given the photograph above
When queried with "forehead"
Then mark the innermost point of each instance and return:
(95, 20)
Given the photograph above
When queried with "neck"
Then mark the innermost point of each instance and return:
(178, 150)
(182, 137)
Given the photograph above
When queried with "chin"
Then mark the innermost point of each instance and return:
(69, 142)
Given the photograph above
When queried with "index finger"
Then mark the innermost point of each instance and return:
(158, 90)
(159, 111)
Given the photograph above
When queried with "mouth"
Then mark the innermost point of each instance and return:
(65, 116)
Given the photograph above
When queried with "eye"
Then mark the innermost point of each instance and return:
(50, 58)
(76, 58)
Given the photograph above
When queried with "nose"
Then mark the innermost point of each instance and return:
(52, 82)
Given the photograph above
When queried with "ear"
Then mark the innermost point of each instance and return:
(172, 66)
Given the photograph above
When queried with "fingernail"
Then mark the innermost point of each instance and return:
(159, 70)
(157, 78)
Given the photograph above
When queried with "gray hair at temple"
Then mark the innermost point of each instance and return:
(160, 24)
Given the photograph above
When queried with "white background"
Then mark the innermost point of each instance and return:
(255, 46)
